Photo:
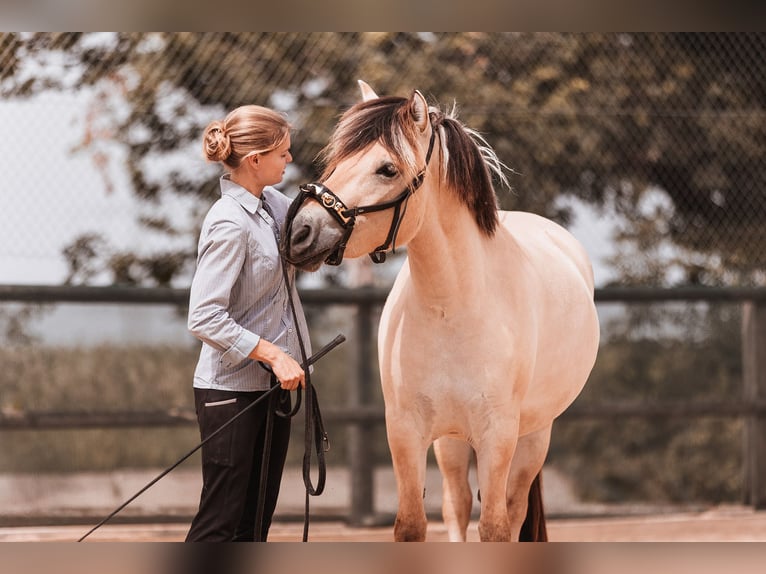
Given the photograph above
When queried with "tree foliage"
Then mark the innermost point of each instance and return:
(607, 118)
(658, 354)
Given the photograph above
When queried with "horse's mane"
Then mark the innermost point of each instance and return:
(468, 161)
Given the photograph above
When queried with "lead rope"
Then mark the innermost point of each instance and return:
(313, 425)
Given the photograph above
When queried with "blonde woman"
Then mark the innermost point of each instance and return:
(240, 310)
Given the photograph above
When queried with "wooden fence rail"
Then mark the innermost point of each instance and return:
(370, 414)
(359, 415)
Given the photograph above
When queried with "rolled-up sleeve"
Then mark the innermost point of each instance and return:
(221, 254)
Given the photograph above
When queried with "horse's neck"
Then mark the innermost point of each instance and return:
(447, 256)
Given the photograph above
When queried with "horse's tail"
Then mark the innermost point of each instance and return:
(533, 529)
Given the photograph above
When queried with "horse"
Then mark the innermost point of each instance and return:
(489, 331)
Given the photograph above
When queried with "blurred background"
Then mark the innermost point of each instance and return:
(650, 148)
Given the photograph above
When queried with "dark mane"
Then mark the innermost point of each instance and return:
(388, 120)
(468, 171)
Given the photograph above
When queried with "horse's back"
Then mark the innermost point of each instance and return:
(548, 243)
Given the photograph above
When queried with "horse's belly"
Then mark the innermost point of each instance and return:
(522, 352)
(562, 367)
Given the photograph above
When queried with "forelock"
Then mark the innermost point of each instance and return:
(383, 120)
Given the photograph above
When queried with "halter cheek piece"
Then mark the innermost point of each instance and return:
(346, 216)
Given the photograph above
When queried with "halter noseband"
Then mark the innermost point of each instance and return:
(346, 216)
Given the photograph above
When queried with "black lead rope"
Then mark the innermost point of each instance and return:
(310, 361)
(313, 427)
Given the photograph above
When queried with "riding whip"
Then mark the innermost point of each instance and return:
(311, 360)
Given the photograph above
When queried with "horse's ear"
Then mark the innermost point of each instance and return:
(367, 92)
(420, 110)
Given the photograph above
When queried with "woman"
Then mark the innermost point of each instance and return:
(240, 309)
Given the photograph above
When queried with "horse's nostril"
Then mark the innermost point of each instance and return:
(302, 234)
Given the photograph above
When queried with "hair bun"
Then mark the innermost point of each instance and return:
(217, 145)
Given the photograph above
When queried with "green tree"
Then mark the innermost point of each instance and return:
(655, 354)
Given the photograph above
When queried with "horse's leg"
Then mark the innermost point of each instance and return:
(454, 458)
(408, 455)
(528, 461)
(493, 461)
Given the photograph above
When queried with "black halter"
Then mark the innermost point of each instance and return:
(346, 216)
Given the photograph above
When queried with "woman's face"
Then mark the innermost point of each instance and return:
(273, 163)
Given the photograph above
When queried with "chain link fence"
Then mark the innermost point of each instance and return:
(650, 147)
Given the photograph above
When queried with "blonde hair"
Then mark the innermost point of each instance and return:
(245, 130)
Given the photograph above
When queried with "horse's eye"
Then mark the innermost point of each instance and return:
(388, 170)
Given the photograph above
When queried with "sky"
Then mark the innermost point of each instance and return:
(51, 192)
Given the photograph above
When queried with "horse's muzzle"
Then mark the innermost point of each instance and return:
(309, 238)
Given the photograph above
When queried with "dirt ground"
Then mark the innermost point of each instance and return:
(30, 506)
(726, 524)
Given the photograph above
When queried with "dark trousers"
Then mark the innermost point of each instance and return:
(231, 464)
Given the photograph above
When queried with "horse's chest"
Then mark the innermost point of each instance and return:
(453, 385)
(454, 351)
(456, 410)
(446, 365)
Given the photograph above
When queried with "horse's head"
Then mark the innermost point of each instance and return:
(375, 161)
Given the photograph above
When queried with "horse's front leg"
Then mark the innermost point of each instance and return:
(454, 458)
(494, 454)
(408, 452)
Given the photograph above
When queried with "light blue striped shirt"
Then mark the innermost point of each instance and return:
(238, 293)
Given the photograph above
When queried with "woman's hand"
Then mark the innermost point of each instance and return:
(288, 371)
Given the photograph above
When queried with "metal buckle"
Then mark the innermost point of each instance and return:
(331, 202)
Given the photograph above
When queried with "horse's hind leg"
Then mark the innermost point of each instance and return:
(409, 459)
(454, 458)
(527, 464)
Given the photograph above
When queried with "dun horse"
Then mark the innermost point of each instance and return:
(489, 331)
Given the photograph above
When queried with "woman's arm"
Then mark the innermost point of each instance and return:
(222, 253)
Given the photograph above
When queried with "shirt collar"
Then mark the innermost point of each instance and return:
(246, 199)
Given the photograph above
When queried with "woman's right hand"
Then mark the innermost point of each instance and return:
(287, 370)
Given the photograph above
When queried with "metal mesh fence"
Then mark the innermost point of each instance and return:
(649, 147)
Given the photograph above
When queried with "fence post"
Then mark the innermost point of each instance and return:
(754, 380)
(359, 435)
